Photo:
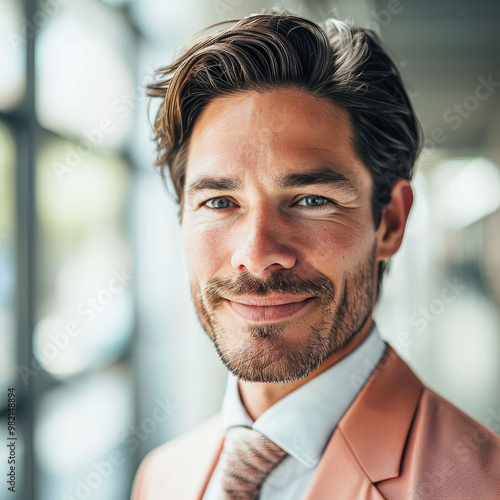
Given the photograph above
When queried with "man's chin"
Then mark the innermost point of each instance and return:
(264, 373)
(266, 355)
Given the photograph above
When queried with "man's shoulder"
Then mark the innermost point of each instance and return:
(449, 451)
(449, 433)
(184, 458)
(442, 420)
(437, 416)
(441, 451)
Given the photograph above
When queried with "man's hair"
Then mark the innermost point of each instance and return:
(343, 63)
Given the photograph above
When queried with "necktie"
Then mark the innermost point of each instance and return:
(247, 459)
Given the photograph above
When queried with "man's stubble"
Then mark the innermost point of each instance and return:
(266, 353)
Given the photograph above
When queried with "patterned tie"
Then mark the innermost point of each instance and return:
(247, 459)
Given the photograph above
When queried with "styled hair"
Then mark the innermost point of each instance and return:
(343, 63)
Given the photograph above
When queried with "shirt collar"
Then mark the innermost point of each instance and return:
(302, 422)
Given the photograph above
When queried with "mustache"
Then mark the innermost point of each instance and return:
(218, 289)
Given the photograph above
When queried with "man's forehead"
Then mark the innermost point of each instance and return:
(284, 117)
(280, 135)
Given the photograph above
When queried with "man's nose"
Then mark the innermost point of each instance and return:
(262, 243)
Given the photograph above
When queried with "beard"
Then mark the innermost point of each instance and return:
(270, 353)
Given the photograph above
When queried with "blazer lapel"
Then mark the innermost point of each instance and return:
(369, 441)
(339, 475)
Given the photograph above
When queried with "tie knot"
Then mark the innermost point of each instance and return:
(248, 457)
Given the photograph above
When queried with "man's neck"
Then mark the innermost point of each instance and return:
(257, 397)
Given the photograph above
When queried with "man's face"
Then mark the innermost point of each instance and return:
(278, 232)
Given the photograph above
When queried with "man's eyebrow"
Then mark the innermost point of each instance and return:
(214, 183)
(322, 176)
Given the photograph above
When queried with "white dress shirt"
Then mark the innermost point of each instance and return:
(302, 422)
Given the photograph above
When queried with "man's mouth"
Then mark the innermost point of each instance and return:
(268, 308)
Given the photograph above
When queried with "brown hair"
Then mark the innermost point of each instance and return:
(340, 62)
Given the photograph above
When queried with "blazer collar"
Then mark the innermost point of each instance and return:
(376, 425)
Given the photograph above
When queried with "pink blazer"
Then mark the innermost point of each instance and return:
(398, 440)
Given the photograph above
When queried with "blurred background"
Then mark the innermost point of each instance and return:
(97, 332)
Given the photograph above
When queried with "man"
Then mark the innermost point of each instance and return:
(291, 150)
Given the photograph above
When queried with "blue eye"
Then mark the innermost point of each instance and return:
(219, 203)
(313, 201)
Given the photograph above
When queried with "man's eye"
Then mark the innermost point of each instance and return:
(218, 203)
(313, 201)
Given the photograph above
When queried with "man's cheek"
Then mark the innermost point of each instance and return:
(209, 249)
(197, 249)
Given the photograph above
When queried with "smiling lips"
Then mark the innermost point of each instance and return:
(268, 308)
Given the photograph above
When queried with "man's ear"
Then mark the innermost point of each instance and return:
(394, 216)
